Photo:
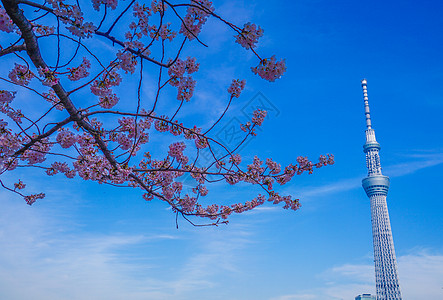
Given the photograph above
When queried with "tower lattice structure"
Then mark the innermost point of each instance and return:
(376, 186)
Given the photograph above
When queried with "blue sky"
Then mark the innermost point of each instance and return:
(87, 241)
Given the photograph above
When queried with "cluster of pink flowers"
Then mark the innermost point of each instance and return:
(176, 151)
(6, 96)
(191, 134)
(124, 141)
(165, 32)
(274, 167)
(43, 29)
(15, 115)
(180, 67)
(127, 124)
(203, 190)
(195, 18)
(102, 87)
(19, 185)
(235, 159)
(9, 143)
(6, 24)
(140, 11)
(275, 198)
(145, 123)
(109, 3)
(186, 88)
(304, 164)
(185, 84)
(160, 125)
(37, 153)
(236, 87)
(73, 16)
(175, 129)
(211, 211)
(127, 61)
(81, 71)
(255, 170)
(20, 75)
(201, 142)
(108, 101)
(268, 182)
(157, 6)
(66, 138)
(34, 197)
(135, 136)
(259, 116)
(249, 36)
(187, 203)
(60, 167)
(84, 30)
(239, 208)
(270, 69)
(233, 178)
(287, 175)
(196, 173)
(324, 160)
(49, 78)
(97, 168)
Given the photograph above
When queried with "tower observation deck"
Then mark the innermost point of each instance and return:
(376, 186)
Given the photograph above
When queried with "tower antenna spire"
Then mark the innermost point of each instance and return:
(364, 84)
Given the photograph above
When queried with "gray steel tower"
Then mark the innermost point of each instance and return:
(376, 187)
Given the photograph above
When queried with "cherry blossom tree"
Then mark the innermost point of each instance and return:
(97, 137)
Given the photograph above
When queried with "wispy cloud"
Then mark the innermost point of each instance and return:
(425, 160)
(406, 168)
(42, 259)
(420, 275)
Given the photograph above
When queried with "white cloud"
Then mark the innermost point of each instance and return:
(42, 259)
(426, 161)
(397, 170)
(420, 275)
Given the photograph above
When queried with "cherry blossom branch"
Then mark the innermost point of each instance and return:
(12, 49)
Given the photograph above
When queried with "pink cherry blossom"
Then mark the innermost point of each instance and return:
(19, 185)
(259, 116)
(127, 61)
(6, 23)
(81, 71)
(270, 69)
(34, 197)
(195, 18)
(249, 36)
(236, 87)
(20, 75)
(110, 3)
(101, 141)
(6, 96)
(49, 78)
(186, 88)
(108, 101)
(66, 138)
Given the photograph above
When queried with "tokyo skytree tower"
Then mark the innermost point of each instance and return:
(376, 187)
